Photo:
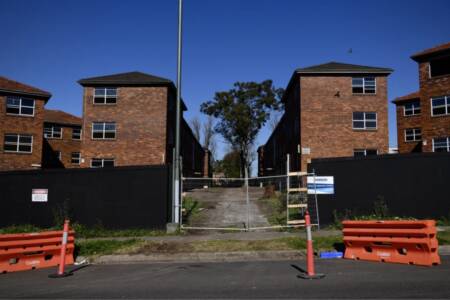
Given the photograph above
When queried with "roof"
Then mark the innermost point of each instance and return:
(338, 68)
(411, 96)
(431, 51)
(60, 117)
(129, 78)
(11, 86)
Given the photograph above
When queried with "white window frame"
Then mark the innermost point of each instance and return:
(363, 151)
(414, 134)
(105, 96)
(413, 109)
(20, 106)
(448, 143)
(364, 120)
(364, 85)
(17, 143)
(58, 154)
(446, 105)
(52, 132)
(104, 131)
(78, 158)
(103, 162)
(81, 132)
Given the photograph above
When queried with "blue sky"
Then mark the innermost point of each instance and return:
(52, 44)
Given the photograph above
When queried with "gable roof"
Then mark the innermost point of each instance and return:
(338, 68)
(14, 87)
(439, 49)
(129, 78)
(60, 117)
(411, 96)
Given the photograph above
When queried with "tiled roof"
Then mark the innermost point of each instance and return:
(11, 86)
(431, 51)
(336, 68)
(411, 96)
(60, 117)
(129, 78)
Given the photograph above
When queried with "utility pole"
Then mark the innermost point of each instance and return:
(176, 183)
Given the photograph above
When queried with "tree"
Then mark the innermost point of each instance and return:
(196, 126)
(230, 164)
(241, 112)
(208, 136)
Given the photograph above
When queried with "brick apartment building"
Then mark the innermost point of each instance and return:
(62, 140)
(129, 119)
(331, 110)
(21, 125)
(423, 117)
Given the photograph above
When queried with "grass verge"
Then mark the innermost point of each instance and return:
(105, 247)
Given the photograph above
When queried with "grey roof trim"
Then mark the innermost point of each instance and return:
(17, 92)
(127, 78)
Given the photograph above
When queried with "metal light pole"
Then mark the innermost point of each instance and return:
(176, 183)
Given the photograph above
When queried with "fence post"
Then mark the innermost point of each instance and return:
(315, 199)
(287, 185)
(181, 192)
(247, 199)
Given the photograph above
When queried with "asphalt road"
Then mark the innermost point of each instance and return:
(344, 279)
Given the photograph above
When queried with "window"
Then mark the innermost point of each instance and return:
(103, 130)
(20, 143)
(441, 144)
(364, 120)
(411, 109)
(57, 154)
(364, 152)
(20, 106)
(413, 135)
(440, 106)
(102, 162)
(75, 158)
(105, 96)
(76, 133)
(440, 67)
(364, 85)
(52, 132)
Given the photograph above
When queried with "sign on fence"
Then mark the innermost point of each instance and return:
(39, 195)
(322, 185)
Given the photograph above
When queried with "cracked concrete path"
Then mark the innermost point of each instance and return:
(227, 207)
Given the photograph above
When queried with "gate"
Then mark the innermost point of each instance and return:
(245, 204)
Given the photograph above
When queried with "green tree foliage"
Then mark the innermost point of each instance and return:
(229, 165)
(241, 112)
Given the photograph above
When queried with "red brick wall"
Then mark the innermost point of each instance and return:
(25, 125)
(432, 126)
(327, 119)
(140, 115)
(66, 145)
(405, 122)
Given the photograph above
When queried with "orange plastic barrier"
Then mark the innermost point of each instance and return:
(405, 242)
(27, 251)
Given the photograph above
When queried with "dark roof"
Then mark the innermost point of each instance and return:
(337, 68)
(14, 87)
(129, 78)
(431, 51)
(412, 96)
(60, 117)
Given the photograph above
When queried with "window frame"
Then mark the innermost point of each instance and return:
(20, 106)
(17, 143)
(414, 135)
(80, 136)
(365, 120)
(103, 131)
(53, 132)
(413, 109)
(363, 86)
(446, 105)
(447, 140)
(72, 158)
(105, 96)
(102, 162)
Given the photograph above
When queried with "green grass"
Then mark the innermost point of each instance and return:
(443, 237)
(104, 247)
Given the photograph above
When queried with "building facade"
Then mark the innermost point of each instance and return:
(129, 119)
(62, 140)
(423, 117)
(21, 125)
(331, 110)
